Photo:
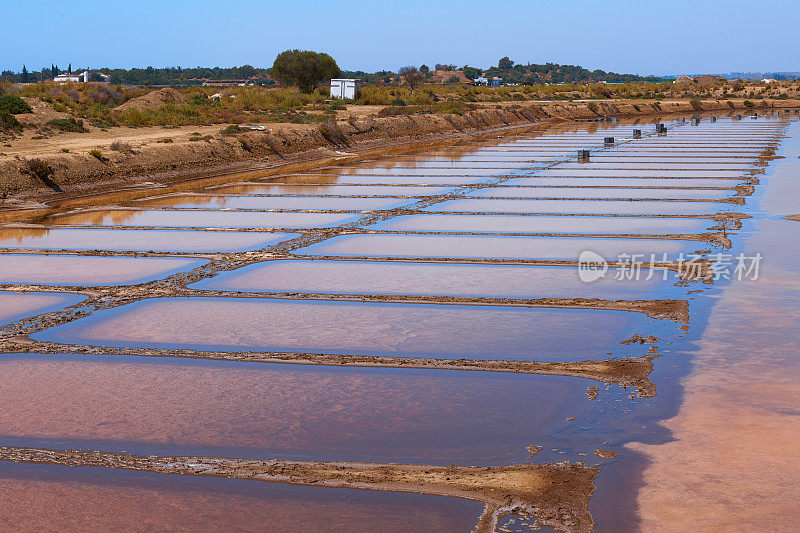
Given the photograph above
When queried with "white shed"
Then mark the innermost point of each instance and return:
(345, 88)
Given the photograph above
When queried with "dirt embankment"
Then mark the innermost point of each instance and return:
(168, 155)
(555, 494)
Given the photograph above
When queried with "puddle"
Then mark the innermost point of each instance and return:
(593, 192)
(357, 328)
(15, 306)
(256, 410)
(286, 202)
(204, 219)
(546, 224)
(585, 206)
(551, 248)
(327, 190)
(137, 240)
(84, 270)
(60, 498)
(437, 279)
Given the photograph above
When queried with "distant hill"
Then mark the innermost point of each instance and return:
(761, 75)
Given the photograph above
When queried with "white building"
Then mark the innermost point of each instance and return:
(345, 88)
(76, 78)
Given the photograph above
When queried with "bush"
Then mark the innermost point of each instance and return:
(332, 133)
(9, 122)
(592, 107)
(730, 104)
(233, 129)
(696, 104)
(13, 104)
(38, 169)
(398, 102)
(98, 155)
(68, 124)
(121, 146)
(748, 103)
(65, 150)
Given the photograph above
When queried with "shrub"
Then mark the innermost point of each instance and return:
(696, 104)
(233, 129)
(398, 102)
(730, 104)
(748, 103)
(65, 150)
(453, 79)
(38, 169)
(121, 146)
(68, 124)
(592, 107)
(332, 133)
(98, 155)
(195, 138)
(9, 122)
(166, 140)
(13, 104)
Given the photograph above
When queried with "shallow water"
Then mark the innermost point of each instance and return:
(624, 182)
(205, 219)
(15, 306)
(438, 279)
(358, 328)
(345, 179)
(546, 224)
(483, 247)
(327, 190)
(137, 240)
(286, 202)
(643, 207)
(257, 410)
(594, 192)
(82, 270)
(59, 498)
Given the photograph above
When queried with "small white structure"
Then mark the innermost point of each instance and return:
(345, 88)
(75, 78)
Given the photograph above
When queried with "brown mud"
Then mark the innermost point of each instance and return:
(556, 494)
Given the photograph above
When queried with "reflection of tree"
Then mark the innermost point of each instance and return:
(95, 218)
(18, 234)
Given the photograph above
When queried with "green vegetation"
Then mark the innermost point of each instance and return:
(748, 103)
(233, 129)
(13, 104)
(97, 154)
(9, 123)
(68, 124)
(304, 68)
(696, 104)
(38, 169)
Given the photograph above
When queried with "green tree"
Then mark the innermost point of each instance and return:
(304, 68)
(424, 69)
(24, 74)
(472, 72)
(505, 64)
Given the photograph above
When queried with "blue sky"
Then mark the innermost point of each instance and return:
(642, 37)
